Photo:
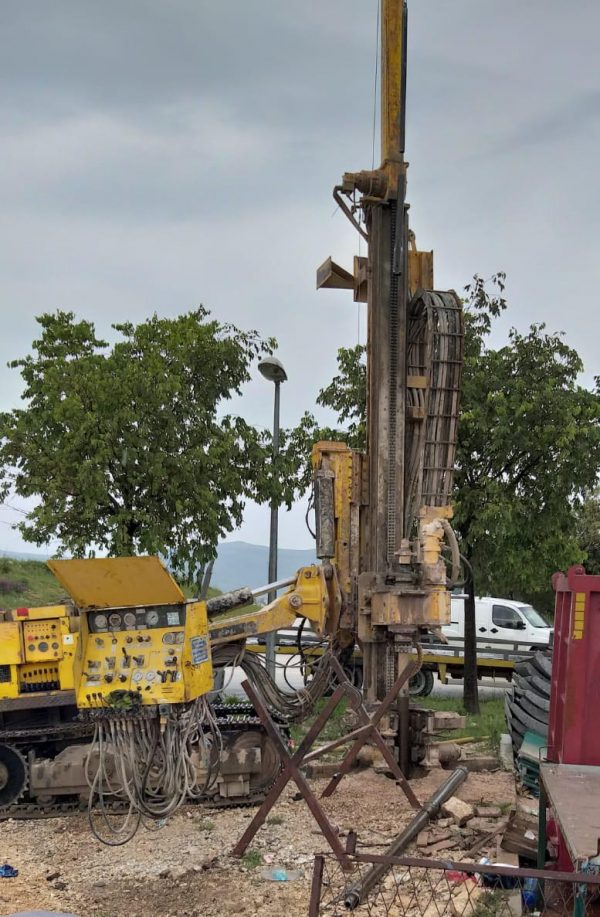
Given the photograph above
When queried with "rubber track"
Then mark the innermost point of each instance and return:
(230, 717)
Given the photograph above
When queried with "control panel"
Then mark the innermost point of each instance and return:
(43, 640)
(122, 619)
(159, 653)
(37, 651)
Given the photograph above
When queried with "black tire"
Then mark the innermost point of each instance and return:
(543, 664)
(529, 722)
(421, 684)
(540, 685)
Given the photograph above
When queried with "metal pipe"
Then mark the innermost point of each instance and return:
(228, 600)
(357, 894)
(273, 587)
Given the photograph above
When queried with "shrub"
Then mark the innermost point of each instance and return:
(11, 585)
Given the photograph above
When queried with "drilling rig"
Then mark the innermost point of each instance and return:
(383, 538)
(382, 516)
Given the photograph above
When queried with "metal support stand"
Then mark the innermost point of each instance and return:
(291, 763)
(369, 724)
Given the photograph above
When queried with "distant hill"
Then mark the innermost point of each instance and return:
(23, 555)
(242, 564)
(238, 564)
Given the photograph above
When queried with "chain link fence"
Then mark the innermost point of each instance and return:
(408, 887)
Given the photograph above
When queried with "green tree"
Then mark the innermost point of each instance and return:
(528, 449)
(588, 530)
(124, 446)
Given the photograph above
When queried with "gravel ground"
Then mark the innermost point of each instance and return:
(185, 869)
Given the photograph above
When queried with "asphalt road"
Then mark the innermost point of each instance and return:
(488, 688)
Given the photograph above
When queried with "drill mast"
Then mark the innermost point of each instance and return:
(388, 530)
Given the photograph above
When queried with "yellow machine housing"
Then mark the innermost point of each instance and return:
(150, 642)
(37, 650)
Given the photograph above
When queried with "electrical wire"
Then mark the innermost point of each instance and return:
(154, 762)
(292, 706)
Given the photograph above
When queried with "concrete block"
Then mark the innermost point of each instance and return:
(488, 812)
(460, 811)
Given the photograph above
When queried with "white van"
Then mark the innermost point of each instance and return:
(499, 619)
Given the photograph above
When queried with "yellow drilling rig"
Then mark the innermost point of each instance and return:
(135, 660)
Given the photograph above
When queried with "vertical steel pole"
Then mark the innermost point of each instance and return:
(271, 641)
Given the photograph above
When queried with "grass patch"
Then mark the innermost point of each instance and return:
(206, 824)
(489, 724)
(252, 859)
(36, 584)
(334, 728)
(275, 820)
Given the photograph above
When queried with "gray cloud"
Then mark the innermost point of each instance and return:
(160, 153)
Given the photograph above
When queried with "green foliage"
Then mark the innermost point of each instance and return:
(529, 448)
(335, 727)
(252, 859)
(347, 395)
(40, 586)
(528, 451)
(588, 529)
(488, 724)
(275, 820)
(125, 447)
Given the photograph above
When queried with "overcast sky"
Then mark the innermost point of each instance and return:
(157, 154)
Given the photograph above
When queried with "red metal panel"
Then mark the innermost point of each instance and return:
(574, 733)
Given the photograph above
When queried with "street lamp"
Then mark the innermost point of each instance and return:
(272, 369)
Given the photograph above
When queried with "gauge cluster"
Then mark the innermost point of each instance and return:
(125, 619)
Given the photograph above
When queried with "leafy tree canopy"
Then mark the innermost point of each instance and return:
(124, 446)
(528, 449)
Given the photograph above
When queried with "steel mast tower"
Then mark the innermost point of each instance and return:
(391, 520)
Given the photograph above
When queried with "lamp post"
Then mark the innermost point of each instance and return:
(272, 369)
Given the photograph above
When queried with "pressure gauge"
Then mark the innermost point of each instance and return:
(169, 637)
(151, 675)
(129, 620)
(115, 620)
(137, 676)
(100, 622)
(152, 618)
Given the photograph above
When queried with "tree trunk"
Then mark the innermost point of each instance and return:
(470, 695)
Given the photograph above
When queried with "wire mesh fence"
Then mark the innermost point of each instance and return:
(383, 886)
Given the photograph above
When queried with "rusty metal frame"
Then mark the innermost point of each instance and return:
(370, 731)
(291, 770)
(291, 763)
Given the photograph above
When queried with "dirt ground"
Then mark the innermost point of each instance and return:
(186, 869)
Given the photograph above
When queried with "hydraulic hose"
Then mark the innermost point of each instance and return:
(455, 551)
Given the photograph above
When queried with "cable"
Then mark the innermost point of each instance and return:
(152, 761)
(291, 706)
